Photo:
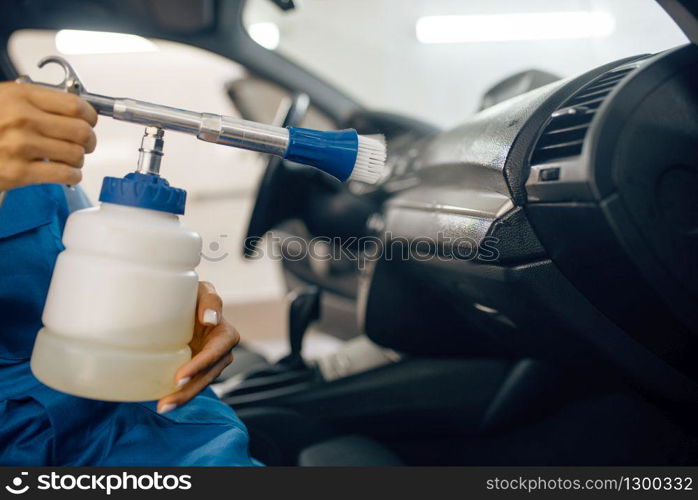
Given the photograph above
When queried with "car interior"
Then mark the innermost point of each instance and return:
(548, 311)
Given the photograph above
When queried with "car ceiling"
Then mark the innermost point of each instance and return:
(214, 25)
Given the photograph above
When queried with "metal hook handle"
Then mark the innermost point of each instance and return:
(71, 81)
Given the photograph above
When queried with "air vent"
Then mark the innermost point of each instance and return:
(563, 136)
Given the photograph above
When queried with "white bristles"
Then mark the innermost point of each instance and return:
(370, 160)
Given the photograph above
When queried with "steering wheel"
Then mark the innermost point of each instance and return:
(275, 196)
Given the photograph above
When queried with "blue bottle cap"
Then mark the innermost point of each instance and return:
(144, 191)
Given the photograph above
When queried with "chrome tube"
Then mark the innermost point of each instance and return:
(205, 126)
(208, 127)
(155, 115)
(244, 134)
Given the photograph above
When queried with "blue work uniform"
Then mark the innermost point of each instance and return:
(41, 426)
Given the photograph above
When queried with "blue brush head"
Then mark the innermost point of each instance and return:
(344, 154)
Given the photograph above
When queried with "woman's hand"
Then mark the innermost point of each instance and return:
(44, 135)
(211, 344)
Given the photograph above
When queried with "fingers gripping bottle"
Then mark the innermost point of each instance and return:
(119, 314)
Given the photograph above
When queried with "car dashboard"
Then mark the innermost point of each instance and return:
(560, 225)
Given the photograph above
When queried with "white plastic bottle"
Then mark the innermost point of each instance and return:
(120, 308)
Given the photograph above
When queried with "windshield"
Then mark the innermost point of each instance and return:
(434, 59)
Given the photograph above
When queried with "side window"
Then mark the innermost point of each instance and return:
(221, 181)
(263, 101)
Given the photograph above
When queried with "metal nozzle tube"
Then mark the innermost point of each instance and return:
(244, 134)
(205, 126)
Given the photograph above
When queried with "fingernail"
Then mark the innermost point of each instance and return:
(210, 317)
(182, 382)
(166, 408)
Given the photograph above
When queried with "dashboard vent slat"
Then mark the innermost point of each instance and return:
(570, 128)
(589, 103)
(601, 86)
(563, 135)
(561, 145)
(591, 93)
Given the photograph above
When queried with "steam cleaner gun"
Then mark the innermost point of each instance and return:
(120, 309)
(343, 154)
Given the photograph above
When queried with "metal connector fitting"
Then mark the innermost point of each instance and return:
(151, 151)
